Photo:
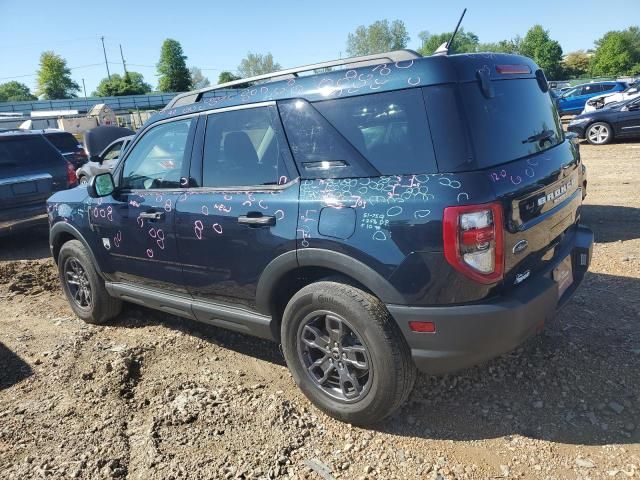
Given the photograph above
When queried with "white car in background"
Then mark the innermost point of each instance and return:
(104, 162)
(596, 103)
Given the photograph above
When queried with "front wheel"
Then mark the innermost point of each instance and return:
(346, 353)
(599, 133)
(83, 287)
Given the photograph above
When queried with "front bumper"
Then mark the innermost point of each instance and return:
(577, 129)
(470, 334)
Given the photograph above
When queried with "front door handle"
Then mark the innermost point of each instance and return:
(257, 220)
(152, 215)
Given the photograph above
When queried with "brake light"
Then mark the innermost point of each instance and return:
(513, 69)
(72, 178)
(474, 241)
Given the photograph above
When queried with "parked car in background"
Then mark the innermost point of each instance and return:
(104, 161)
(31, 170)
(596, 103)
(68, 146)
(399, 213)
(572, 101)
(615, 120)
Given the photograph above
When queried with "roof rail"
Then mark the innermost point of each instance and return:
(395, 56)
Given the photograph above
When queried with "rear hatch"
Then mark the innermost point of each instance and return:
(517, 141)
(31, 169)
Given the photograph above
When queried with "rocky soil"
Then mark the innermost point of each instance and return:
(152, 396)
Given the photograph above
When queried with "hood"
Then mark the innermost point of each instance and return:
(95, 140)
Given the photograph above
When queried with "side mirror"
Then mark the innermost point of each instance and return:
(632, 90)
(101, 185)
(635, 106)
(95, 158)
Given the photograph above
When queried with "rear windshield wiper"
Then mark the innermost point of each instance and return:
(540, 137)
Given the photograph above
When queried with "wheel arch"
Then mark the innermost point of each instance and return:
(63, 232)
(291, 271)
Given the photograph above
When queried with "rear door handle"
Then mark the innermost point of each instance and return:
(152, 215)
(257, 221)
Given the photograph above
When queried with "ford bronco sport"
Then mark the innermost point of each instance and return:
(387, 213)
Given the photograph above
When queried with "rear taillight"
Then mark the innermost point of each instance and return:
(473, 241)
(72, 179)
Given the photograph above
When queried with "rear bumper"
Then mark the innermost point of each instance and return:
(470, 334)
(23, 219)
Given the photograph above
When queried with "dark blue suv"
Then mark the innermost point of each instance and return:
(389, 213)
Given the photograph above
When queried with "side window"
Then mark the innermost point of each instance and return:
(156, 160)
(243, 148)
(607, 86)
(113, 152)
(591, 89)
(319, 150)
(389, 129)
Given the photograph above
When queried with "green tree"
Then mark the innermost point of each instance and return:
(226, 77)
(576, 64)
(198, 80)
(546, 52)
(378, 37)
(257, 64)
(132, 83)
(617, 53)
(465, 42)
(503, 46)
(15, 92)
(54, 77)
(172, 68)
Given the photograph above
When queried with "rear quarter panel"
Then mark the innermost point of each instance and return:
(393, 224)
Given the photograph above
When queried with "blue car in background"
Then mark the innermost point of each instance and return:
(572, 101)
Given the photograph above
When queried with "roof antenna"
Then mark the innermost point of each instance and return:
(444, 48)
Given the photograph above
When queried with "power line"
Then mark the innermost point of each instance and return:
(36, 74)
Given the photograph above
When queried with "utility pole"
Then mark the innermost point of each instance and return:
(106, 63)
(84, 89)
(124, 64)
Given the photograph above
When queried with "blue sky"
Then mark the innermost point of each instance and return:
(217, 35)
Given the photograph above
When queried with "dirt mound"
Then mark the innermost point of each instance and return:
(29, 277)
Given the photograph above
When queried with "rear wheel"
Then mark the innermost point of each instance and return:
(599, 133)
(83, 287)
(346, 353)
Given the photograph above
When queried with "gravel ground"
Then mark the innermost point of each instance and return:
(152, 396)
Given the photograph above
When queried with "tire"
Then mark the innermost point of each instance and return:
(599, 133)
(327, 370)
(83, 287)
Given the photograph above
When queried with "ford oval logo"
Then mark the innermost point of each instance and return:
(520, 247)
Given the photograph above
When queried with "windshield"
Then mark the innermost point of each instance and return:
(65, 142)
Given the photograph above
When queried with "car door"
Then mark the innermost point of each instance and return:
(588, 91)
(241, 210)
(136, 223)
(629, 120)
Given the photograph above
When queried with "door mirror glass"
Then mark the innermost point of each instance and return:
(101, 185)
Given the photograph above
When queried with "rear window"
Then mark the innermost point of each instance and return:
(518, 121)
(65, 142)
(27, 149)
